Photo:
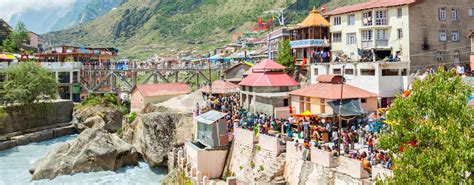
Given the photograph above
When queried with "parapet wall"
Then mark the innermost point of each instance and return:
(18, 118)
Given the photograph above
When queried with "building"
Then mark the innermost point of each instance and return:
(427, 33)
(208, 153)
(316, 97)
(266, 88)
(221, 87)
(274, 40)
(156, 93)
(471, 36)
(309, 42)
(385, 79)
(235, 73)
(34, 43)
(5, 30)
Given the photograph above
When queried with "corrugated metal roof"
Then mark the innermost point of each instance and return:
(370, 5)
(210, 117)
(163, 89)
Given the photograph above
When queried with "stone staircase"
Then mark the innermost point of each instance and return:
(274, 172)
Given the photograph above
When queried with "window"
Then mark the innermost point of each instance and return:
(442, 35)
(382, 35)
(316, 71)
(471, 12)
(251, 89)
(336, 71)
(337, 20)
(366, 35)
(399, 33)
(349, 71)
(399, 12)
(404, 72)
(337, 37)
(455, 14)
(456, 57)
(381, 17)
(351, 19)
(442, 13)
(455, 36)
(367, 18)
(439, 56)
(363, 100)
(389, 72)
(351, 38)
(367, 72)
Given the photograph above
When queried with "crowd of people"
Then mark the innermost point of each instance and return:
(357, 140)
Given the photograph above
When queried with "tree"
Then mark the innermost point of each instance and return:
(26, 82)
(432, 132)
(284, 56)
(16, 39)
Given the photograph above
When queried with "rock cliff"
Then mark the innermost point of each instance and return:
(109, 118)
(156, 130)
(94, 150)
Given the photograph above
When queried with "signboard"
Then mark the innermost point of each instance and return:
(308, 43)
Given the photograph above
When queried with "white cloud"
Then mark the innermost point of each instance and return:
(10, 7)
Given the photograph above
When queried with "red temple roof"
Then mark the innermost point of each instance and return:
(370, 5)
(268, 64)
(268, 79)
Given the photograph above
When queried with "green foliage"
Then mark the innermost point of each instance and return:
(3, 113)
(26, 82)
(284, 56)
(16, 38)
(120, 132)
(241, 167)
(258, 148)
(252, 164)
(131, 117)
(437, 117)
(260, 168)
(108, 100)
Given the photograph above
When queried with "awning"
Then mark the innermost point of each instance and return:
(350, 107)
(6, 57)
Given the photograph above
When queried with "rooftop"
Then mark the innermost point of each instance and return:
(268, 64)
(314, 19)
(163, 89)
(268, 79)
(329, 87)
(210, 117)
(221, 87)
(370, 5)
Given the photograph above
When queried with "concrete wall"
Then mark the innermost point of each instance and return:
(270, 143)
(244, 136)
(209, 162)
(19, 118)
(316, 108)
(322, 157)
(137, 101)
(351, 167)
(381, 173)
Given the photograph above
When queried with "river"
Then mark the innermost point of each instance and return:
(15, 162)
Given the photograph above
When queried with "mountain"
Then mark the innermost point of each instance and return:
(145, 27)
(4, 30)
(57, 18)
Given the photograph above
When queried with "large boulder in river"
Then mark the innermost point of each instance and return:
(109, 118)
(156, 130)
(93, 150)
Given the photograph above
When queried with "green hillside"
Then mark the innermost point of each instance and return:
(144, 27)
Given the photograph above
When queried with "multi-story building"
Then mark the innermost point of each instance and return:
(471, 35)
(427, 33)
(385, 79)
(309, 42)
(274, 40)
(34, 43)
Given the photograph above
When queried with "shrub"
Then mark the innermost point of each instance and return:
(260, 168)
(120, 132)
(252, 164)
(131, 117)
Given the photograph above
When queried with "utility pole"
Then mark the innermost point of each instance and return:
(340, 107)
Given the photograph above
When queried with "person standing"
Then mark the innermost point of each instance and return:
(335, 139)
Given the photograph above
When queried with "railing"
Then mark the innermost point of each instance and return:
(367, 44)
(381, 43)
(55, 66)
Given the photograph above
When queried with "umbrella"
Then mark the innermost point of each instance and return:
(7, 57)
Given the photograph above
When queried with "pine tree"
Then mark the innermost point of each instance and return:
(16, 39)
(284, 56)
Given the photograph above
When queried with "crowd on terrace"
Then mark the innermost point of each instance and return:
(358, 138)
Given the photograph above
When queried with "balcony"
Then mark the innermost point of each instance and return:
(367, 44)
(381, 43)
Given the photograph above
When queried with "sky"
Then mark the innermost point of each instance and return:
(10, 7)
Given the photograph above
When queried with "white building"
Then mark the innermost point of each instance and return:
(385, 79)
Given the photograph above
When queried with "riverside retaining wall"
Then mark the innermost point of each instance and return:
(18, 118)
